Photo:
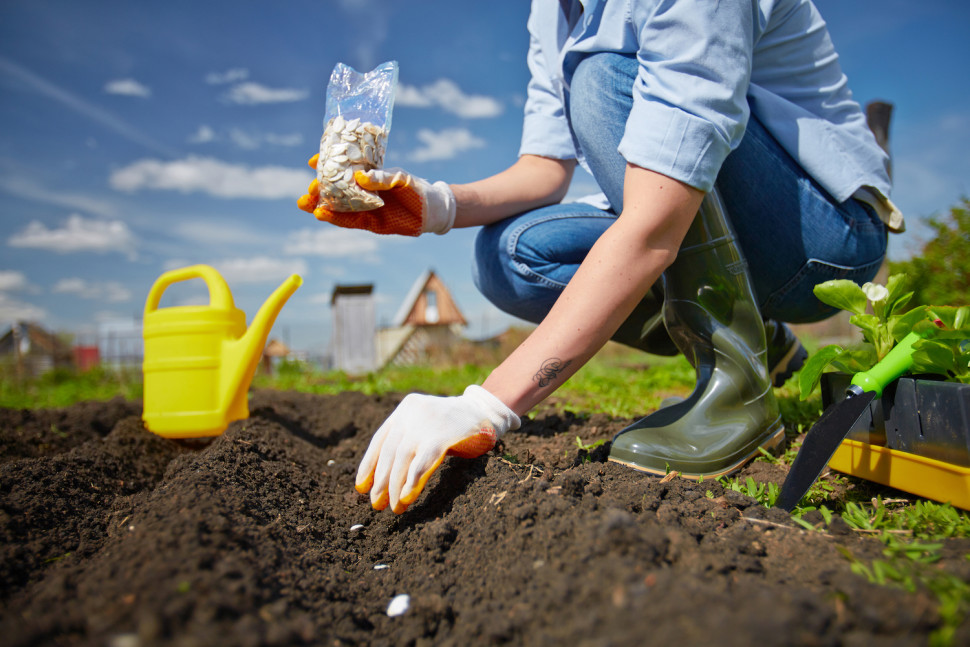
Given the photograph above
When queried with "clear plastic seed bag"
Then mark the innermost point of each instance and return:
(356, 126)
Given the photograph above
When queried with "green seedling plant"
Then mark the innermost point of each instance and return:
(587, 449)
(945, 345)
(944, 330)
(881, 329)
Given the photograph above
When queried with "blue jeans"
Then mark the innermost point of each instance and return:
(790, 230)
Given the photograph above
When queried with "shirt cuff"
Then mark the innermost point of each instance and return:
(674, 143)
(547, 136)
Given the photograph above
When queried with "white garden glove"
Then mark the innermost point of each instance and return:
(417, 436)
(412, 206)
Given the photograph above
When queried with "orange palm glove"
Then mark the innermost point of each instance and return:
(412, 206)
(417, 436)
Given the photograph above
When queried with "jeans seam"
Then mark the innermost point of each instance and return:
(522, 267)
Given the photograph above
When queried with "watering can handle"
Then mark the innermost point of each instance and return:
(219, 295)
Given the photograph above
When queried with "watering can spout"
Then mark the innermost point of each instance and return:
(241, 356)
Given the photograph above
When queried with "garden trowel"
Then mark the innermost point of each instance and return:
(827, 434)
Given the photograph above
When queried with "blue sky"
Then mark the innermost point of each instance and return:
(137, 137)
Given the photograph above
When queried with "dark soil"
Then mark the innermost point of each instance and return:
(114, 536)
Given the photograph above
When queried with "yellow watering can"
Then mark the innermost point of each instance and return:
(199, 360)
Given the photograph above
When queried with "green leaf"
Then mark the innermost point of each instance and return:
(811, 372)
(899, 292)
(856, 360)
(869, 325)
(843, 294)
(961, 318)
(902, 325)
(933, 356)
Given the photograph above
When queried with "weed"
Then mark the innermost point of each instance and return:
(590, 447)
(764, 493)
(910, 565)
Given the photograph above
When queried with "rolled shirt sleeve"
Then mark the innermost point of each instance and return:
(704, 67)
(545, 129)
(689, 98)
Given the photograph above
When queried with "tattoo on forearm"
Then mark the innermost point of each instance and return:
(550, 370)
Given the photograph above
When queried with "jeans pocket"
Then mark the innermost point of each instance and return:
(795, 301)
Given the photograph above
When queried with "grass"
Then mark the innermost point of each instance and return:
(911, 533)
(62, 388)
(620, 382)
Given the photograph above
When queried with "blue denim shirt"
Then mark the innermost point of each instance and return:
(704, 67)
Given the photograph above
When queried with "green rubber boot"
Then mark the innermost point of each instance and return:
(711, 314)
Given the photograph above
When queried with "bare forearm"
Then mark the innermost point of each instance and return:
(530, 183)
(627, 259)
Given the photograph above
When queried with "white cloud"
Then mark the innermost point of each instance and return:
(444, 144)
(259, 269)
(372, 13)
(12, 310)
(255, 93)
(446, 94)
(211, 176)
(128, 88)
(111, 291)
(252, 141)
(78, 234)
(203, 135)
(45, 88)
(229, 76)
(206, 231)
(333, 242)
(291, 139)
(12, 280)
(30, 189)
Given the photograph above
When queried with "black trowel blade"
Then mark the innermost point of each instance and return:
(822, 440)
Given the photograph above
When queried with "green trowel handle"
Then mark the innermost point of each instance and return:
(897, 362)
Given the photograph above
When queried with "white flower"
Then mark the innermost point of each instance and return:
(875, 293)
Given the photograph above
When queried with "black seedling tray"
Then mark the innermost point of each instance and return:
(917, 415)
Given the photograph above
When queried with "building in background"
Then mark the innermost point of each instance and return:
(30, 351)
(426, 325)
(353, 346)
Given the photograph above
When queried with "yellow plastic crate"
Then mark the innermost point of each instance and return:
(925, 477)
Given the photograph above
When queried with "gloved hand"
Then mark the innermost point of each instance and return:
(412, 206)
(415, 438)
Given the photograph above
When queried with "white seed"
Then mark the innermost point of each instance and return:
(398, 605)
(357, 526)
(345, 147)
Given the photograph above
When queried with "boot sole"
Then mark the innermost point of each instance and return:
(771, 443)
